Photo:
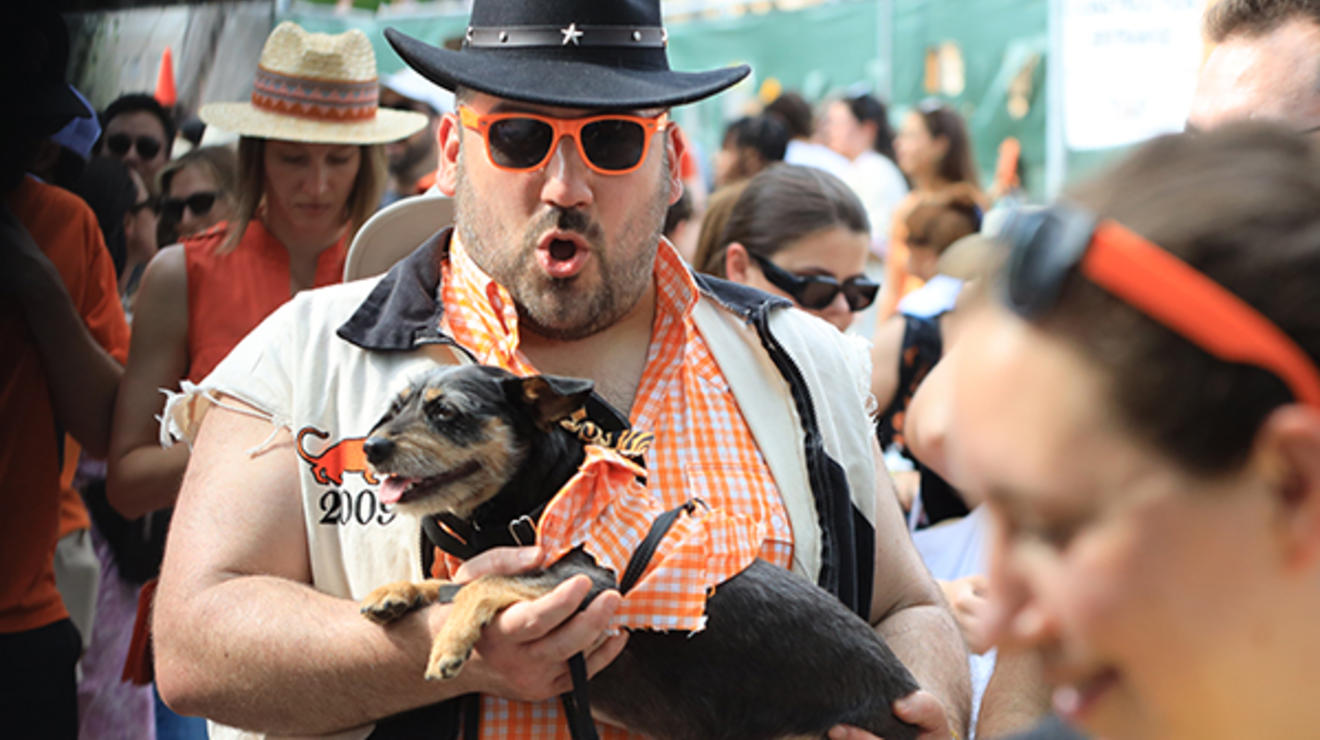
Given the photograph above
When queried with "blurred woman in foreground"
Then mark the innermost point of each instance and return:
(1141, 409)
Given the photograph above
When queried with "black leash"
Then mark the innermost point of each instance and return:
(576, 701)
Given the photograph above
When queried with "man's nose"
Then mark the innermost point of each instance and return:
(567, 176)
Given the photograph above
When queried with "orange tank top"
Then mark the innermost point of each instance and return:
(229, 294)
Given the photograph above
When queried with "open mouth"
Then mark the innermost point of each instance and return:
(398, 489)
(562, 254)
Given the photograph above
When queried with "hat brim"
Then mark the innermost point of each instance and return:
(246, 119)
(525, 75)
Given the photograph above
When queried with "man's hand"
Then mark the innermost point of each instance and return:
(920, 708)
(523, 653)
(970, 605)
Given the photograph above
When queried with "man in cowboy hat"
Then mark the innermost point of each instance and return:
(562, 162)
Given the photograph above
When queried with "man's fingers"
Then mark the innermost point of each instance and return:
(527, 621)
(923, 709)
(606, 652)
(583, 631)
(499, 561)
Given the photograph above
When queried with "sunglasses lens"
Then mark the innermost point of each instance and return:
(519, 143)
(118, 144)
(860, 293)
(171, 209)
(200, 203)
(147, 147)
(817, 293)
(613, 144)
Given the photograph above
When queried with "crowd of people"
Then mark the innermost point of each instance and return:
(1070, 473)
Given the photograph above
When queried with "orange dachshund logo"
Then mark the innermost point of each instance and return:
(344, 456)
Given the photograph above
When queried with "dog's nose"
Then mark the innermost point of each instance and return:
(378, 449)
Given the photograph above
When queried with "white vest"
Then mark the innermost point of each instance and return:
(328, 392)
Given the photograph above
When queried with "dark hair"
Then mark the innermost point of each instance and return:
(133, 103)
(782, 204)
(1239, 205)
(107, 187)
(938, 221)
(677, 213)
(766, 135)
(869, 109)
(957, 165)
(795, 114)
(1255, 17)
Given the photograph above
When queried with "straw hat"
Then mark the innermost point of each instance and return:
(317, 88)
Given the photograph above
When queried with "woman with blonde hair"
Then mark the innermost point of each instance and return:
(311, 168)
(197, 192)
(309, 173)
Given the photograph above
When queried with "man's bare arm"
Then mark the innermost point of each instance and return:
(241, 638)
(82, 376)
(909, 613)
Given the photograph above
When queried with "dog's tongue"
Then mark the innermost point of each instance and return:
(394, 487)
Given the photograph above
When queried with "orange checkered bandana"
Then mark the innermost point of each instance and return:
(702, 445)
(607, 512)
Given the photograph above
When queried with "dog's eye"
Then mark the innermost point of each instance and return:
(440, 411)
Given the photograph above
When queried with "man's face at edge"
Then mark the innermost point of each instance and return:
(1271, 76)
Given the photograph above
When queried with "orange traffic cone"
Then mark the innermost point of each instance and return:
(165, 92)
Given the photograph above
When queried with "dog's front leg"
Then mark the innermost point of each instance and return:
(394, 600)
(474, 607)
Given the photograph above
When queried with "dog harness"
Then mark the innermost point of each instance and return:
(667, 562)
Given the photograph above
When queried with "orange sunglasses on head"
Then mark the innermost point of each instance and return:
(1049, 243)
(611, 143)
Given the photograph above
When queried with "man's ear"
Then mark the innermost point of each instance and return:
(549, 398)
(1287, 449)
(447, 137)
(676, 144)
(737, 262)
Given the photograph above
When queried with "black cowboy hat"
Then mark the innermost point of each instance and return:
(571, 53)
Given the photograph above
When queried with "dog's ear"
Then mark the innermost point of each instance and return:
(548, 398)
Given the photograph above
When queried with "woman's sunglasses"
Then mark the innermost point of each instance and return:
(199, 203)
(119, 144)
(611, 144)
(817, 291)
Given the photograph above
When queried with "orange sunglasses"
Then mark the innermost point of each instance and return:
(1048, 244)
(611, 143)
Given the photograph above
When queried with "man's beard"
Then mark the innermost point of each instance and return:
(558, 308)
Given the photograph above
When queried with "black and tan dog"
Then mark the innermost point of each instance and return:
(779, 657)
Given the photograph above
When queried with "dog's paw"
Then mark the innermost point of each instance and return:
(444, 666)
(390, 602)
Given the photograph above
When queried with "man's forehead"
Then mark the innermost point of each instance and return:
(1270, 76)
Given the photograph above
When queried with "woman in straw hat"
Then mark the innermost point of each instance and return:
(311, 170)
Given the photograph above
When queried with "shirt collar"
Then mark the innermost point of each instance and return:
(402, 310)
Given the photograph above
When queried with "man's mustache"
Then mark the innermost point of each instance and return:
(567, 219)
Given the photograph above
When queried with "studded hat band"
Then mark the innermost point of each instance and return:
(488, 37)
(323, 100)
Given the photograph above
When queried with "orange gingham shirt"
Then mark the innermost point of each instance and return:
(702, 447)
